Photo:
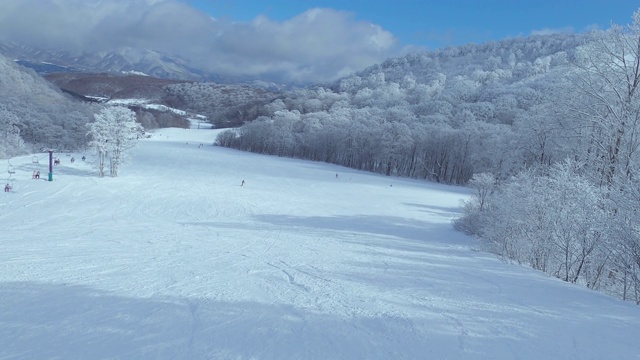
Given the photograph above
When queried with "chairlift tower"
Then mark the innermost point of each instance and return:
(50, 151)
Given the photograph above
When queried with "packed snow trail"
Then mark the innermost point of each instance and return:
(175, 259)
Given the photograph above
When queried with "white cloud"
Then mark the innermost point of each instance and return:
(592, 27)
(550, 31)
(317, 45)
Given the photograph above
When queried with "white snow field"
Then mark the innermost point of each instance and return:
(175, 260)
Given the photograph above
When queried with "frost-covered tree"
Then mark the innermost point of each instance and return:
(11, 143)
(609, 77)
(553, 222)
(483, 184)
(113, 133)
(609, 126)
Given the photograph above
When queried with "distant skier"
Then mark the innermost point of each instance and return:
(7, 188)
(336, 175)
(242, 184)
(73, 160)
(84, 158)
(38, 174)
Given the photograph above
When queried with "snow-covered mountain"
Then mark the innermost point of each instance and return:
(125, 60)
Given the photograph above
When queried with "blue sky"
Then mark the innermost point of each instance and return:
(438, 23)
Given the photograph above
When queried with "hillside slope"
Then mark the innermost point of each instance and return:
(176, 260)
(34, 114)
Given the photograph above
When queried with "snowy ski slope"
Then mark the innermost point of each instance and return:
(175, 260)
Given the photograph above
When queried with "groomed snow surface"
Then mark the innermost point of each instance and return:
(175, 260)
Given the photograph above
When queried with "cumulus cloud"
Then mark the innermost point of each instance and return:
(317, 45)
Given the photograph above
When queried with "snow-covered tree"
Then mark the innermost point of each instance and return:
(553, 222)
(610, 79)
(113, 133)
(484, 185)
(609, 122)
(10, 142)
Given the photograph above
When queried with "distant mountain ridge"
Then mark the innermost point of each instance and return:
(122, 61)
(125, 60)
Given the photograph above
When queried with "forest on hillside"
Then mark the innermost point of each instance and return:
(35, 115)
(441, 115)
(225, 106)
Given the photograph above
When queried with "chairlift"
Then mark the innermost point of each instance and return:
(35, 160)
(10, 169)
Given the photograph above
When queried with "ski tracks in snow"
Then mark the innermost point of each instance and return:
(290, 279)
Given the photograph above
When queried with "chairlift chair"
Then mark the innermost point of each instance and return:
(35, 160)
(10, 169)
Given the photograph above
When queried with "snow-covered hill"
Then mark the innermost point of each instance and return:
(175, 259)
(123, 60)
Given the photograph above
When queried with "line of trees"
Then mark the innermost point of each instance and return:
(364, 140)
